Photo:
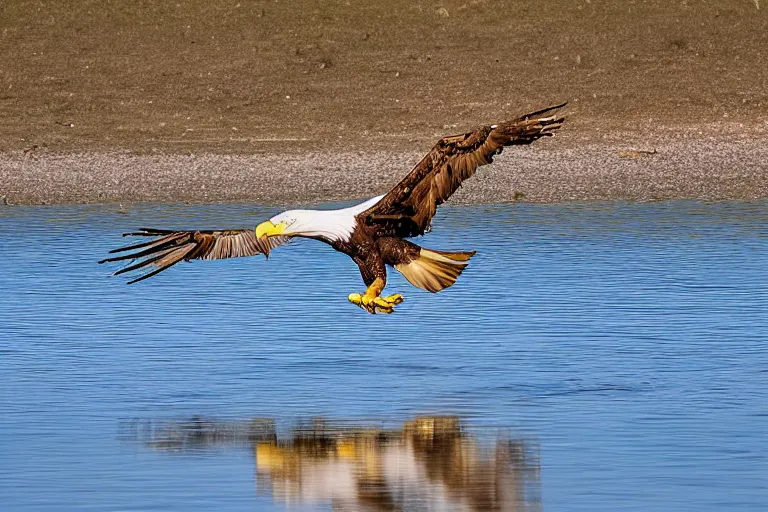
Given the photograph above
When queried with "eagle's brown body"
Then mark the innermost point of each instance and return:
(373, 253)
(372, 234)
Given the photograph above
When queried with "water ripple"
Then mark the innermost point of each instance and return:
(625, 343)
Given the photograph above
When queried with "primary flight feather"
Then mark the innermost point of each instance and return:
(372, 233)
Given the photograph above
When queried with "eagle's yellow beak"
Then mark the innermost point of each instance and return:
(266, 228)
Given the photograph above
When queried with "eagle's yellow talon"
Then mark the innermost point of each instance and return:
(376, 304)
(380, 302)
(394, 299)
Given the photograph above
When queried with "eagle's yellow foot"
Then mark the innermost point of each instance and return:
(393, 300)
(374, 304)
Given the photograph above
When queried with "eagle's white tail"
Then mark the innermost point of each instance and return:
(434, 270)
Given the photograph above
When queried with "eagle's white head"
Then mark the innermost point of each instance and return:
(328, 225)
(308, 223)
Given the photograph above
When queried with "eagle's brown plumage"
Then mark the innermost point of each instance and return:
(408, 208)
(373, 236)
(174, 246)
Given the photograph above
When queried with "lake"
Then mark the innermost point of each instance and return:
(591, 357)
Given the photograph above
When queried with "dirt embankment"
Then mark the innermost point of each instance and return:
(286, 101)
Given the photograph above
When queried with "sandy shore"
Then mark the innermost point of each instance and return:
(305, 101)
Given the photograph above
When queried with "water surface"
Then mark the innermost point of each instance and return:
(591, 357)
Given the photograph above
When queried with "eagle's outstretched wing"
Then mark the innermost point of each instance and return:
(408, 208)
(170, 247)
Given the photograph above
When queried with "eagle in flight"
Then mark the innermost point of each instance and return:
(372, 233)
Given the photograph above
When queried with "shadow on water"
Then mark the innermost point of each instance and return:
(427, 463)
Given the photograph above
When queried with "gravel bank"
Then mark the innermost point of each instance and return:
(705, 169)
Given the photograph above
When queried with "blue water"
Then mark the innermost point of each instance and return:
(623, 345)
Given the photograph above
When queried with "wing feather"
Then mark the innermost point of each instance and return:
(408, 208)
(167, 261)
(170, 247)
(137, 246)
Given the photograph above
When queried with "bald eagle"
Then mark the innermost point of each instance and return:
(372, 233)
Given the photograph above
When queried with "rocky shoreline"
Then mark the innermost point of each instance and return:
(554, 170)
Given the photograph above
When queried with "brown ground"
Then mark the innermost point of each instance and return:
(295, 100)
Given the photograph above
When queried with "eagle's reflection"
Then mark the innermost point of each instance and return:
(428, 463)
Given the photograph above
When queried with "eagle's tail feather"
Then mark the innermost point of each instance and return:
(434, 270)
(455, 256)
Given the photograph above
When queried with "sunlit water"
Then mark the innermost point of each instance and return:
(592, 357)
